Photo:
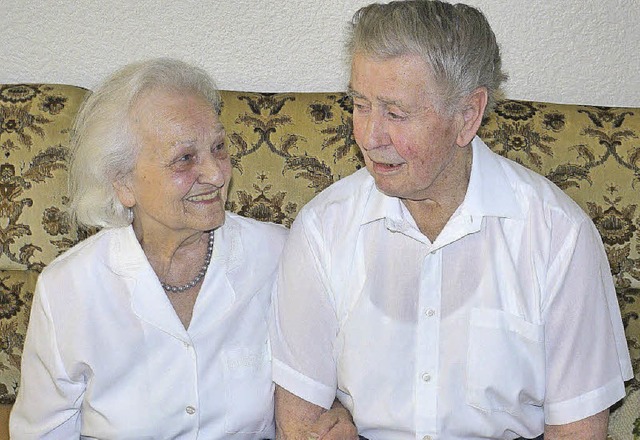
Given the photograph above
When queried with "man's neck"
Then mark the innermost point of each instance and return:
(431, 215)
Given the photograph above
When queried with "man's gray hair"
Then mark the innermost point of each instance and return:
(103, 147)
(455, 41)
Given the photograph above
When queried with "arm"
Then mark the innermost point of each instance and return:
(587, 359)
(297, 419)
(48, 401)
(335, 424)
(303, 341)
(294, 416)
(591, 428)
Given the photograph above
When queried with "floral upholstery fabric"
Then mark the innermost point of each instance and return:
(286, 148)
(35, 121)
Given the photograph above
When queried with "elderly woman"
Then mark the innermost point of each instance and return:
(156, 327)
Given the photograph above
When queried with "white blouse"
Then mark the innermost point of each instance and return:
(107, 357)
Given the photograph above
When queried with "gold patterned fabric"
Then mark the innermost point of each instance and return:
(34, 227)
(286, 148)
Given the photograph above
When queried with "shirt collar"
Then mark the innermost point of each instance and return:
(380, 206)
(490, 194)
(395, 214)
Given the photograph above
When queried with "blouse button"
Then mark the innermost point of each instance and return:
(190, 410)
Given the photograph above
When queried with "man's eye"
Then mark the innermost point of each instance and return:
(396, 116)
(360, 107)
(185, 158)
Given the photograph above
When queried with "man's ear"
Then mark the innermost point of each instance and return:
(124, 192)
(472, 113)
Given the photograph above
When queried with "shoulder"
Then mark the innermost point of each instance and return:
(250, 250)
(260, 233)
(255, 243)
(345, 198)
(537, 194)
(86, 253)
(330, 223)
(85, 268)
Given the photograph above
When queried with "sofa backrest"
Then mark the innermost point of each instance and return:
(286, 148)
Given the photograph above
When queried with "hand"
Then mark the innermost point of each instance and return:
(335, 424)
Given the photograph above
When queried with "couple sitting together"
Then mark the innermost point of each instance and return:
(442, 292)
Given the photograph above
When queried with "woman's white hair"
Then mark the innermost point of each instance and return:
(455, 41)
(103, 148)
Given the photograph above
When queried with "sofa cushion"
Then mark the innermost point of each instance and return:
(16, 294)
(35, 122)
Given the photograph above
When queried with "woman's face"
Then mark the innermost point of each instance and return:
(180, 181)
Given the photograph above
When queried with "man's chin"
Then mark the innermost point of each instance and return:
(388, 189)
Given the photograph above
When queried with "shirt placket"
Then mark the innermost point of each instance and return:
(427, 351)
(191, 404)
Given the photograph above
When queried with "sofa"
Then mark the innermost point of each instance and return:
(287, 147)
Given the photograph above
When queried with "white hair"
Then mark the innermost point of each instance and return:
(455, 41)
(103, 148)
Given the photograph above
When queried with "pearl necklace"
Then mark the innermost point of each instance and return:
(199, 276)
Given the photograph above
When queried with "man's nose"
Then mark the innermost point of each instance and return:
(374, 132)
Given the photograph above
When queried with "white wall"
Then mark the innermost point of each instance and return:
(573, 51)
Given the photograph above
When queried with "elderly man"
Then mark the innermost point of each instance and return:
(444, 291)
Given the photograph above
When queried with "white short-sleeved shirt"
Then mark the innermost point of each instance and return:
(107, 357)
(507, 321)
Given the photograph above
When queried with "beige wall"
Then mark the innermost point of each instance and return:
(572, 51)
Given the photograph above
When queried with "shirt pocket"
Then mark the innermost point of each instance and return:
(505, 362)
(248, 388)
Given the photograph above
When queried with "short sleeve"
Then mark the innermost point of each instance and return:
(587, 359)
(304, 324)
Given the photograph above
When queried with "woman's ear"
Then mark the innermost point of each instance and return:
(472, 113)
(124, 192)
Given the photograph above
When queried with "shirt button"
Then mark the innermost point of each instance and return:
(429, 312)
(426, 437)
(426, 377)
(190, 410)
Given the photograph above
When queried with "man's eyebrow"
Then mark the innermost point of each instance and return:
(351, 92)
(386, 101)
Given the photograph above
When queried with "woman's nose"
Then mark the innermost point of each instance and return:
(212, 170)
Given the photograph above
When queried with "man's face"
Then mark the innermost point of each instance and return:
(408, 145)
(180, 181)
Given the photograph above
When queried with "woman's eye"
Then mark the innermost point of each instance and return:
(220, 149)
(184, 159)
